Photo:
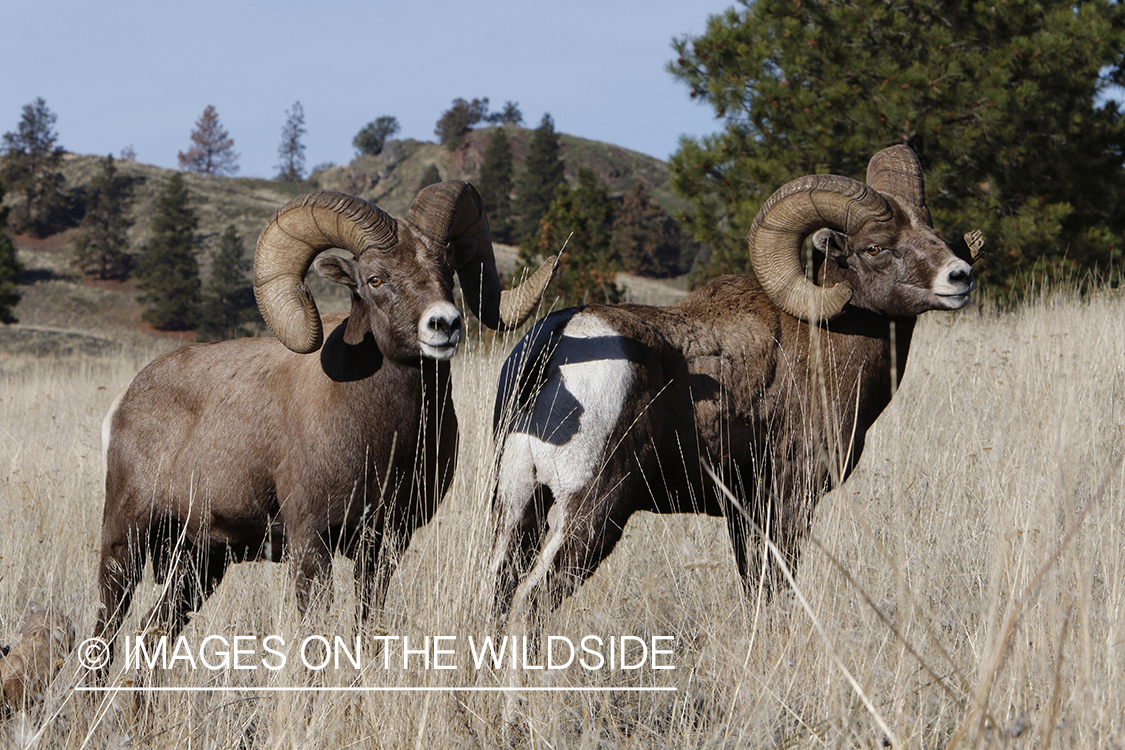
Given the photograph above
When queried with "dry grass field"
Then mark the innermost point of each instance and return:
(965, 587)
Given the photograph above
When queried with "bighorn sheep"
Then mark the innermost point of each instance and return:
(242, 449)
(770, 381)
(26, 669)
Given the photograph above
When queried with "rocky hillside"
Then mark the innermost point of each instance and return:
(56, 299)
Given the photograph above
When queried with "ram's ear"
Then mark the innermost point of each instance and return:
(970, 247)
(337, 269)
(833, 244)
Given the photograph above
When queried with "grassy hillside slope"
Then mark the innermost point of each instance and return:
(58, 302)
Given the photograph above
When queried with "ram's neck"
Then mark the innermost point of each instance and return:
(900, 332)
(872, 349)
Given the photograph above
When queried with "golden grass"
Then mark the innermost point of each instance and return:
(969, 576)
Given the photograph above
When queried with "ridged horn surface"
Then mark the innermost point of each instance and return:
(897, 171)
(452, 213)
(300, 230)
(787, 217)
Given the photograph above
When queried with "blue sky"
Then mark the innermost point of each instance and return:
(123, 73)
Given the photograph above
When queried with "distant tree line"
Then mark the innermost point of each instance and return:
(1009, 106)
(168, 277)
(10, 268)
(538, 211)
(166, 270)
(602, 236)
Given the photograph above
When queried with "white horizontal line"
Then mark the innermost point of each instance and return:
(474, 689)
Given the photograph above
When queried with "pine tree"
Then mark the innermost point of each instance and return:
(543, 172)
(212, 150)
(101, 247)
(457, 120)
(509, 115)
(10, 267)
(31, 168)
(430, 176)
(1004, 103)
(291, 150)
(373, 136)
(495, 186)
(167, 272)
(582, 218)
(645, 237)
(228, 301)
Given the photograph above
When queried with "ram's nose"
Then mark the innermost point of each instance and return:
(439, 330)
(954, 284)
(444, 323)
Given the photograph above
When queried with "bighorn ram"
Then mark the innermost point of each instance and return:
(242, 449)
(770, 381)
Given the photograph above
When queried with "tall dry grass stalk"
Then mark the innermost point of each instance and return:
(968, 577)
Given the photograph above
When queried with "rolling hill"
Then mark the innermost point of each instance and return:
(61, 311)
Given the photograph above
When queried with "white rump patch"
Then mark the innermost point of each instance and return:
(107, 431)
(562, 442)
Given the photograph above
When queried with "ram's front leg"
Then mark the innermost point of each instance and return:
(313, 557)
(370, 586)
(399, 526)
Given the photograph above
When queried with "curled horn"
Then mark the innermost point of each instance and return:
(302, 229)
(787, 217)
(897, 171)
(452, 213)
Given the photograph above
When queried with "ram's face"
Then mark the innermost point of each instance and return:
(899, 267)
(403, 296)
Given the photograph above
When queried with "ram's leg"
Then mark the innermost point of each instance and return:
(399, 527)
(314, 570)
(366, 568)
(748, 515)
(193, 575)
(396, 538)
(582, 536)
(782, 505)
(792, 522)
(738, 529)
(519, 530)
(119, 570)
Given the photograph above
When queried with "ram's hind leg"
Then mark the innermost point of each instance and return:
(188, 574)
(582, 534)
(120, 569)
(518, 534)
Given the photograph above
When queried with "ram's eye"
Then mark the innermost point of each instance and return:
(374, 281)
(874, 250)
